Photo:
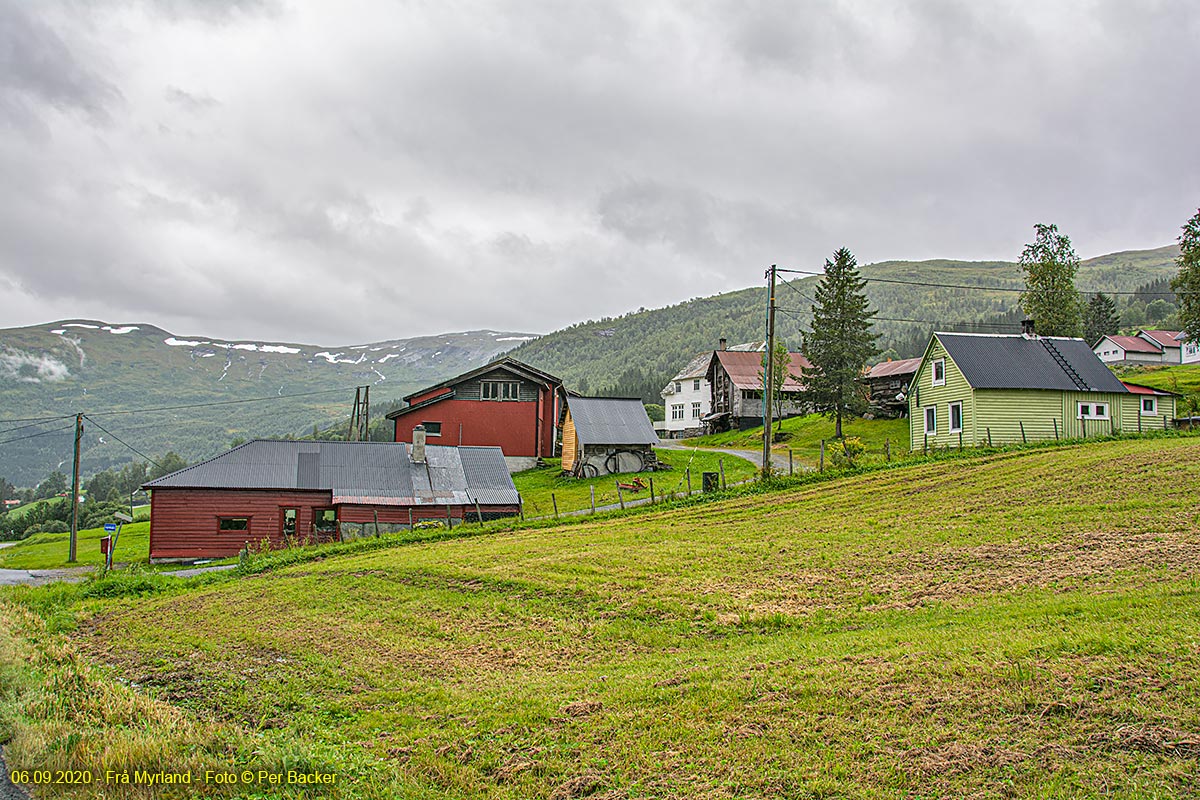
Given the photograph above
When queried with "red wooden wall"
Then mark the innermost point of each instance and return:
(519, 428)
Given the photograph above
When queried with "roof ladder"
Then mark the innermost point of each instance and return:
(1066, 367)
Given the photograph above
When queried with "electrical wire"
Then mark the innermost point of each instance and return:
(929, 284)
(122, 441)
(35, 435)
(216, 403)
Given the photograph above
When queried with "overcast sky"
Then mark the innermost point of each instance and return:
(335, 172)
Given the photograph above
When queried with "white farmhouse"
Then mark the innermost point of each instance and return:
(1189, 350)
(688, 397)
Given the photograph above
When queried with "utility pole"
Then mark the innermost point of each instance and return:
(768, 369)
(75, 489)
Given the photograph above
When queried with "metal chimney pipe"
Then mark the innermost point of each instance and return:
(418, 445)
(1027, 327)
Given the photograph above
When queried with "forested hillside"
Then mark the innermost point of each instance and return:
(637, 353)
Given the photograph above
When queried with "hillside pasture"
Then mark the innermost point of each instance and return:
(803, 435)
(1014, 625)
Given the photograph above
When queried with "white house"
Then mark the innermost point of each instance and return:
(1171, 350)
(1189, 352)
(1128, 350)
(688, 397)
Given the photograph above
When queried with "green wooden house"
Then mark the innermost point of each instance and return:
(978, 388)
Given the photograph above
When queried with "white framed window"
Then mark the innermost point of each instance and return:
(930, 420)
(677, 411)
(695, 411)
(1150, 406)
(939, 372)
(956, 417)
(678, 387)
(1093, 410)
(500, 390)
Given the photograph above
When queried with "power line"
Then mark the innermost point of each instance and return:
(793, 312)
(216, 403)
(35, 435)
(30, 425)
(35, 419)
(122, 441)
(930, 284)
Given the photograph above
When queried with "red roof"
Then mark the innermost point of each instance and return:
(902, 366)
(744, 368)
(1135, 344)
(1164, 338)
(1135, 389)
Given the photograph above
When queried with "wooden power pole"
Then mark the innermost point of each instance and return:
(75, 490)
(768, 376)
(360, 418)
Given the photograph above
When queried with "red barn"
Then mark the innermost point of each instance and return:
(504, 404)
(279, 493)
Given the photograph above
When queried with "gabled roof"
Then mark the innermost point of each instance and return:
(1135, 389)
(994, 361)
(904, 366)
(1134, 344)
(510, 364)
(611, 420)
(369, 473)
(696, 368)
(1164, 338)
(743, 369)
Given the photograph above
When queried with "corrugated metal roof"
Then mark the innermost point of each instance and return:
(611, 420)
(374, 473)
(744, 368)
(1135, 389)
(1015, 362)
(902, 366)
(1135, 344)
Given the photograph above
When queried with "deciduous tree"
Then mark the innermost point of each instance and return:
(1186, 284)
(1050, 300)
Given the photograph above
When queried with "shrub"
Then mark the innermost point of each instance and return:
(846, 453)
(49, 526)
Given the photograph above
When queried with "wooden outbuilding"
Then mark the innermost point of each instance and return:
(737, 389)
(272, 494)
(604, 435)
(505, 404)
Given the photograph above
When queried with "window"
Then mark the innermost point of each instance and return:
(956, 417)
(500, 390)
(939, 372)
(233, 524)
(1093, 410)
(677, 411)
(432, 428)
(678, 387)
(325, 520)
(289, 523)
(696, 385)
(931, 420)
(1150, 405)
(695, 411)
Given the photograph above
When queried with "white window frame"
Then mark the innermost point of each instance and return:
(1153, 401)
(676, 411)
(695, 411)
(678, 387)
(931, 431)
(695, 384)
(950, 417)
(934, 372)
(502, 391)
(1091, 411)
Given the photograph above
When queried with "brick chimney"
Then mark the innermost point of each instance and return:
(418, 445)
(721, 343)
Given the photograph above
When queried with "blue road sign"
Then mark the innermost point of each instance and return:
(110, 526)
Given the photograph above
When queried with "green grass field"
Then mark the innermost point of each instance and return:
(1181, 378)
(49, 550)
(1014, 625)
(574, 494)
(803, 435)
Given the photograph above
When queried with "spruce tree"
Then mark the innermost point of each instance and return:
(1050, 300)
(1186, 284)
(1100, 318)
(840, 342)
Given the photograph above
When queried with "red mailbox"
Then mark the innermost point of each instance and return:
(105, 545)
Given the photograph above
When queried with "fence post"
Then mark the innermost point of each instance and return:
(887, 449)
(592, 489)
(721, 467)
(925, 447)
(620, 496)
(791, 469)
(554, 500)
(1055, 421)
(688, 474)
(989, 430)
(821, 465)
(1023, 439)
(1139, 417)
(652, 490)
(960, 441)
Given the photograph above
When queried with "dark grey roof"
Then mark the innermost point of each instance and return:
(1016, 362)
(611, 420)
(369, 473)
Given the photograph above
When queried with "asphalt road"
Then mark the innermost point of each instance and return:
(9, 790)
